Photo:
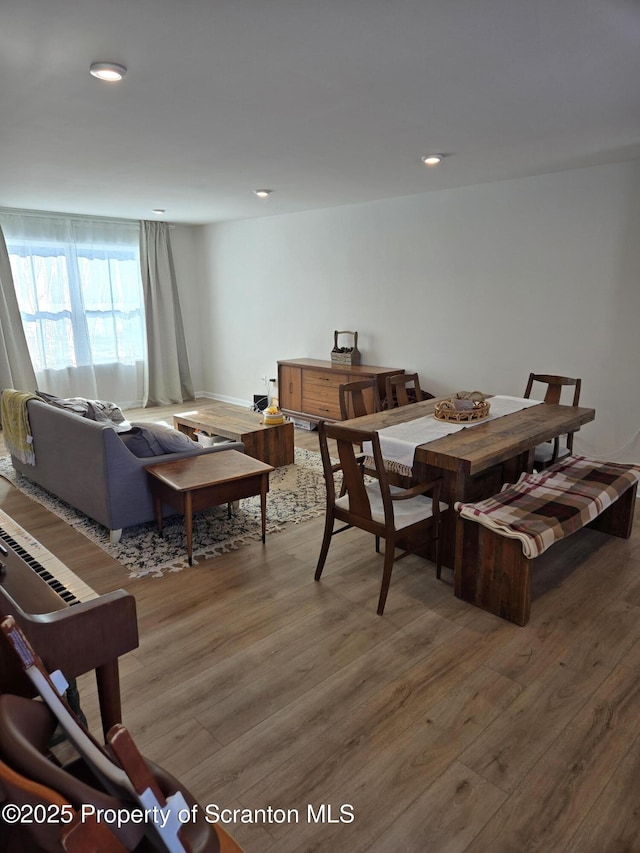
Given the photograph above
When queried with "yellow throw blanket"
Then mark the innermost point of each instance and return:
(15, 425)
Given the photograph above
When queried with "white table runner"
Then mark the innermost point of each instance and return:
(398, 443)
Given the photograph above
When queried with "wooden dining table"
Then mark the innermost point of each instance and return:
(474, 463)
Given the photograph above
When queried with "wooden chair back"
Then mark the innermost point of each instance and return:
(555, 386)
(359, 398)
(403, 389)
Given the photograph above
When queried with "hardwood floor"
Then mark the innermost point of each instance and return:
(436, 727)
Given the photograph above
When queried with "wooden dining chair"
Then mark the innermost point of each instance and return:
(390, 513)
(548, 453)
(403, 389)
(359, 398)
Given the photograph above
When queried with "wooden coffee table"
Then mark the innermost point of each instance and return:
(204, 480)
(273, 444)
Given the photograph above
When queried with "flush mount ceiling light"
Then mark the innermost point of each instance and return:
(158, 211)
(111, 72)
(432, 159)
(263, 193)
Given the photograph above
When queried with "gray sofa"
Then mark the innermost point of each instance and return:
(88, 465)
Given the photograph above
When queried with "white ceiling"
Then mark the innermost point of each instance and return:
(327, 102)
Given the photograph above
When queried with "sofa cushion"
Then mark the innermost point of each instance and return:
(145, 439)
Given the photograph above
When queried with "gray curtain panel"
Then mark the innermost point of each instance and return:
(167, 374)
(16, 370)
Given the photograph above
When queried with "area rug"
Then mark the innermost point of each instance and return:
(296, 494)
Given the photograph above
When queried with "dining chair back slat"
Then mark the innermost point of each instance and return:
(353, 481)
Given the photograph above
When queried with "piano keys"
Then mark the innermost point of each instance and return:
(46, 565)
(71, 627)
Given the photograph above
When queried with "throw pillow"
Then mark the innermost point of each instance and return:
(141, 443)
(146, 439)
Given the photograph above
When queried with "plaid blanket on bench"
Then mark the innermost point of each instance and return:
(541, 509)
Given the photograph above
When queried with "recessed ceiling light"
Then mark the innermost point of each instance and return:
(432, 159)
(263, 193)
(111, 72)
(158, 211)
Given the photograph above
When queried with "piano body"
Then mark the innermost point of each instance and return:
(71, 627)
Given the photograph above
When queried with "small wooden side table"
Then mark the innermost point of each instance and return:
(204, 480)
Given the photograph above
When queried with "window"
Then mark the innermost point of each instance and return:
(79, 290)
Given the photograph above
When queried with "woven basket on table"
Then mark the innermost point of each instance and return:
(465, 407)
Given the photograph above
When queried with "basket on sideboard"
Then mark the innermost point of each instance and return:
(345, 355)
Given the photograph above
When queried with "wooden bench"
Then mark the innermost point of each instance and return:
(504, 534)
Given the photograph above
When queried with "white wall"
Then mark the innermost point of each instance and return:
(473, 288)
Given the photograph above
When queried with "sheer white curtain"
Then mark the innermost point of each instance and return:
(16, 370)
(79, 292)
(169, 374)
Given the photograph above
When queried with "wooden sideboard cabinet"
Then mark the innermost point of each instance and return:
(308, 387)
